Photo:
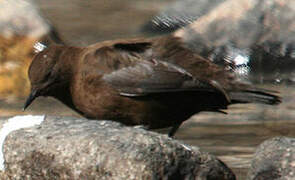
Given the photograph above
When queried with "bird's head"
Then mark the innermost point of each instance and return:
(44, 73)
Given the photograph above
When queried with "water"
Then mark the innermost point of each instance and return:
(233, 137)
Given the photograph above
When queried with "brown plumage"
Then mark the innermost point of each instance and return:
(154, 82)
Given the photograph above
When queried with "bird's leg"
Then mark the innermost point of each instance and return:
(173, 129)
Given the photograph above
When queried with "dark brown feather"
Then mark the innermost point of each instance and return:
(156, 82)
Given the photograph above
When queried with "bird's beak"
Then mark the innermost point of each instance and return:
(30, 99)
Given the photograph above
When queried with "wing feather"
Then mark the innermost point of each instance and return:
(143, 74)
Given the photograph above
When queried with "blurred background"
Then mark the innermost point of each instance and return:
(254, 39)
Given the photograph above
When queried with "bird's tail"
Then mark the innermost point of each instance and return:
(255, 95)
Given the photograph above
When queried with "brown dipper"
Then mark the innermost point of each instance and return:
(155, 82)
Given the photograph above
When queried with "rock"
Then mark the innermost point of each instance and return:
(69, 148)
(21, 18)
(255, 39)
(274, 159)
(179, 14)
(21, 26)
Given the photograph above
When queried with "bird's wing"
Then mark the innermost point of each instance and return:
(141, 74)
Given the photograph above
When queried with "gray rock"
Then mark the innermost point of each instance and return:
(274, 159)
(179, 14)
(255, 39)
(21, 17)
(69, 148)
(244, 23)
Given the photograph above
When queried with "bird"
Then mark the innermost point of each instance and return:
(153, 82)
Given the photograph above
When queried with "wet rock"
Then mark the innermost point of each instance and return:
(21, 26)
(274, 159)
(68, 148)
(255, 39)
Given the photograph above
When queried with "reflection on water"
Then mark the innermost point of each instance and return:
(233, 137)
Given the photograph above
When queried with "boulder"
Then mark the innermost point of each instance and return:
(255, 39)
(274, 159)
(179, 14)
(72, 148)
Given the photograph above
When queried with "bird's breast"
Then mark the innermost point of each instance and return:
(98, 100)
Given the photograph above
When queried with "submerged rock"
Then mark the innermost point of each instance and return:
(68, 148)
(274, 159)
